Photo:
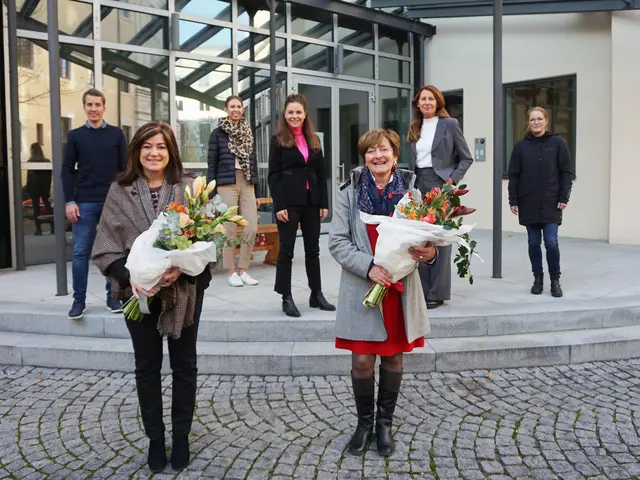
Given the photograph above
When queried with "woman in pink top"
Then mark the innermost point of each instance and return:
(298, 186)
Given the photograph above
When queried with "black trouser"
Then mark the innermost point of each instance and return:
(147, 347)
(309, 219)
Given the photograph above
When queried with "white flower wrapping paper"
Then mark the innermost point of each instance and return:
(147, 264)
(397, 234)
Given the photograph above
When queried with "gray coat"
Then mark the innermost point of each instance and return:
(350, 247)
(450, 154)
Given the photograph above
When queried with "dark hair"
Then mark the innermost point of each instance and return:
(375, 136)
(36, 153)
(441, 111)
(232, 97)
(173, 170)
(285, 137)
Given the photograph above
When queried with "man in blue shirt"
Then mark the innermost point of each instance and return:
(99, 151)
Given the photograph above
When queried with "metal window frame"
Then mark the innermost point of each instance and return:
(101, 8)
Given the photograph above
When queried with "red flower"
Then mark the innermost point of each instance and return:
(390, 196)
(459, 193)
(429, 218)
(460, 211)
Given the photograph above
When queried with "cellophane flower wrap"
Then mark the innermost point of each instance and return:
(435, 217)
(184, 236)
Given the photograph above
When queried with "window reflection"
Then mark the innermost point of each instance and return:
(74, 18)
(134, 28)
(161, 4)
(146, 96)
(219, 10)
(396, 115)
(260, 44)
(358, 64)
(201, 89)
(247, 10)
(557, 96)
(392, 41)
(205, 39)
(312, 57)
(391, 70)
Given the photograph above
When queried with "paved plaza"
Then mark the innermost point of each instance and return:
(569, 423)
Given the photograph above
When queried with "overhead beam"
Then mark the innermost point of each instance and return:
(369, 15)
(455, 8)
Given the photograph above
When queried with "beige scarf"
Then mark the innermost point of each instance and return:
(128, 211)
(240, 142)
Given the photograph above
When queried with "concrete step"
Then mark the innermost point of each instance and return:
(321, 358)
(318, 326)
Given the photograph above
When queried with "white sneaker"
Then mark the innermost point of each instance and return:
(248, 279)
(235, 280)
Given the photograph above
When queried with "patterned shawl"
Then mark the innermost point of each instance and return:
(376, 201)
(128, 211)
(240, 142)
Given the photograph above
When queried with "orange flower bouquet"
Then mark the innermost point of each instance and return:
(435, 217)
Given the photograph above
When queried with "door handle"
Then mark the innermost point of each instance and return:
(341, 173)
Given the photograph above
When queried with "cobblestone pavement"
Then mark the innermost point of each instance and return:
(573, 422)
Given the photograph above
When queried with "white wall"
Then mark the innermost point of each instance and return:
(625, 126)
(460, 56)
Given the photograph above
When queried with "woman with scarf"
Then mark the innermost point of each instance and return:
(402, 321)
(152, 180)
(298, 185)
(233, 165)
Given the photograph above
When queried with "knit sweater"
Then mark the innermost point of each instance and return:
(100, 154)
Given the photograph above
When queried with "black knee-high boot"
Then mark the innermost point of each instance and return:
(363, 394)
(388, 389)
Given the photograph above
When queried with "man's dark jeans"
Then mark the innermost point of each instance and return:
(84, 233)
(548, 231)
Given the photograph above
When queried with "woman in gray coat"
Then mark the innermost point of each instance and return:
(401, 322)
(438, 154)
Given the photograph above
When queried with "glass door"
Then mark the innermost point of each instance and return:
(341, 112)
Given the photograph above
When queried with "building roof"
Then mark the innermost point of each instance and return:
(478, 8)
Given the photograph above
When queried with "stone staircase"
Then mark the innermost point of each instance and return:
(268, 343)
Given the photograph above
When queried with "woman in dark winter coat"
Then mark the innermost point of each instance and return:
(233, 165)
(540, 180)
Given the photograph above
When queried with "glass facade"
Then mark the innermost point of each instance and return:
(152, 69)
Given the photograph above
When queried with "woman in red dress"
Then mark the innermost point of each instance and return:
(401, 322)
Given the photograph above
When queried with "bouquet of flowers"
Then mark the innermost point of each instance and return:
(436, 217)
(185, 236)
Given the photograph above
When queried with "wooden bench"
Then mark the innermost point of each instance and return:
(271, 236)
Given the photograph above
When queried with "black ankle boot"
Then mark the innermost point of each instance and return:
(363, 394)
(157, 458)
(180, 452)
(289, 307)
(536, 289)
(388, 389)
(317, 300)
(556, 289)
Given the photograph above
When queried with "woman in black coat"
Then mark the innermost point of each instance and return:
(540, 180)
(298, 186)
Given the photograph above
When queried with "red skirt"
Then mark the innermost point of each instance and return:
(393, 316)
